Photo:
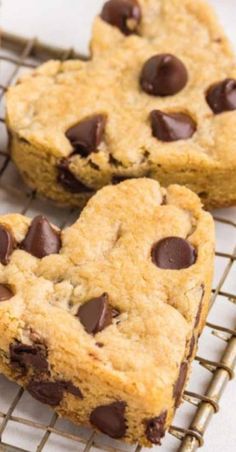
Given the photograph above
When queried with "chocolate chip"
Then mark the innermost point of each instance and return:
(221, 96)
(47, 392)
(86, 136)
(110, 419)
(96, 314)
(163, 75)
(172, 127)
(24, 357)
(5, 292)
(123, 14)
(41, 239)
(68, 181)
(155, 429)
(180, 383)
(173, 253)
(7, 244)
(68, 386)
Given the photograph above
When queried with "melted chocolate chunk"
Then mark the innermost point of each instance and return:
(7, 244)
(24, 357)
(47, 392)
(173, 253)
(86, 136)
(52, 392)
(163, 75)
(180, 383)
(110, 419)
(5, 292)
(41, 239)
(156, 428)
(172, 127)
(68, 181)
(96, 314)
(221, 96)
(123, 14)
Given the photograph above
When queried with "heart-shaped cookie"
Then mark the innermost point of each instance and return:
(157, 99)
(101, 320)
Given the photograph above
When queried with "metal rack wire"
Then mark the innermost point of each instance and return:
(24, 53)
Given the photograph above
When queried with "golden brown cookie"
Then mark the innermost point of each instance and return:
(101, 320)
(157, 99)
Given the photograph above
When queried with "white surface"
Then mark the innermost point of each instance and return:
(67, 23)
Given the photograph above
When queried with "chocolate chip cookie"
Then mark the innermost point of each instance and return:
(156, 99)
(101, 320)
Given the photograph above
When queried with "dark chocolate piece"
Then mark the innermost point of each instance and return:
(173, 253)
(96, 314)
(123, 14)
(41, 239)
(155, 429)
(163, 75)
(110, 419)
(221, 96)
(7, 244)
(47, 392)
(172, 127)
(86, 136)
(52, 392)
(68, 181)
(23, 357)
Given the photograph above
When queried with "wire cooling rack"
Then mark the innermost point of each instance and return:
(26, 425)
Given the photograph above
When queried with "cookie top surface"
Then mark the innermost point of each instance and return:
(127, 275)
(176, 63)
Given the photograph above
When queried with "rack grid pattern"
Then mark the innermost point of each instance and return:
(21, 53)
